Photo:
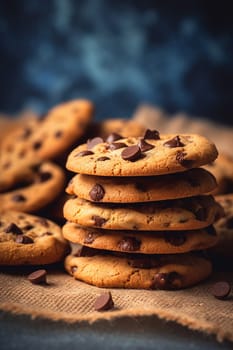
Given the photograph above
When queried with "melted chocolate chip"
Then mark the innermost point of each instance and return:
(98, 221)
(90, 237)
(164, 280)
(36, 145)
(140, 263)
(176, 239)
(175, 142)
(84, 154)
(201, 214)
(102, 159)
(97, 193)
(144, 146)
(152, 135)
(22, 239)
(184, 162)
(129, 244)
(93, 142)
(116, 145)
(131, 153)
(18, 198)
(13, 228)
(113, 137)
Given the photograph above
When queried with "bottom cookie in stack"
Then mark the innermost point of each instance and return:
(129, 259)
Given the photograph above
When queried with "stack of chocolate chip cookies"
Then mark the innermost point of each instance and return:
(139, 214)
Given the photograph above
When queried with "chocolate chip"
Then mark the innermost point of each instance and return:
(221, 289)
(93, 142)
(38, 277)
(229, 222)
(129, 244)
(84, 154)
(152, 135)
(22, 153)
(42, 222)
(140, 186)
(98, 221)
(184, 162)
(58, 133)
(104, 302)
(97, 193)
(102, 159)
(84, 251)
(113, 137)
(164, 280)
(6, 165)
(44, 176)
(90, 237)
(175, 142)
(24, 239)
(18, 198)
(140, 263)
(176, 239)
(36, 145)
(144, 146)
(116, 145)
(26, 133)
(131, 153)
(201, 214)
(74, 269)
(47, 233)
(28, 227)
(13, 228)
(211, 231)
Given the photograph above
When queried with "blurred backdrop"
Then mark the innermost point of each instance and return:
(175, 54)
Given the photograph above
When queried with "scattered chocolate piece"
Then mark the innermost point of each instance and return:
(131, 153)
(84, 153)
(164, 280)
(113, 137)
(97, 193)
(152, 135)
(140, 263)
(129, 244)
(93, 142)
(102, 159)
(116, 145)
(22, 239)
(144, 146)
(175, 142)
(176, 239)
(38, 277)
(13, 228)
(90, 237)
(98, 221)
(104, 302)
(201, 214)
(221, 289)
(18, 198)
(36, 145)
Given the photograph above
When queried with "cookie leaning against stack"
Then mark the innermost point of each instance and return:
(139, 209)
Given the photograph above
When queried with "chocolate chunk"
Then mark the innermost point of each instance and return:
(201, 214)
(131, 153)
(140, 263)
(102, 159)
(129, 244)
(90, 237)
(58, 133)
(98, 221)
(44, 176)
(38, 277)
(152, 135)
(184, 162)
(144, 146)
(229, 222)
(104, 302)
(221, 289)
(24, 239)
(84, 153)
(93, 142)
(211, 231)
(13, 228)
(116, 145)
(97, 193)
(113, 137)
(36, 145)
(18, 198)
(176, 239)
(164, 280)
(175, 142)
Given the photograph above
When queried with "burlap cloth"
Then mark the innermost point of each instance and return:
(72, 301)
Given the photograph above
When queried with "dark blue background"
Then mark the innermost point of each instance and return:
(175, 54)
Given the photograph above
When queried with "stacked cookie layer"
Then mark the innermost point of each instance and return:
(139, 209)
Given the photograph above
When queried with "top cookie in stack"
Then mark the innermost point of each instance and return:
(157, 216)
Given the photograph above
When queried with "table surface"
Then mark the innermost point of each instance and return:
(20, 332)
